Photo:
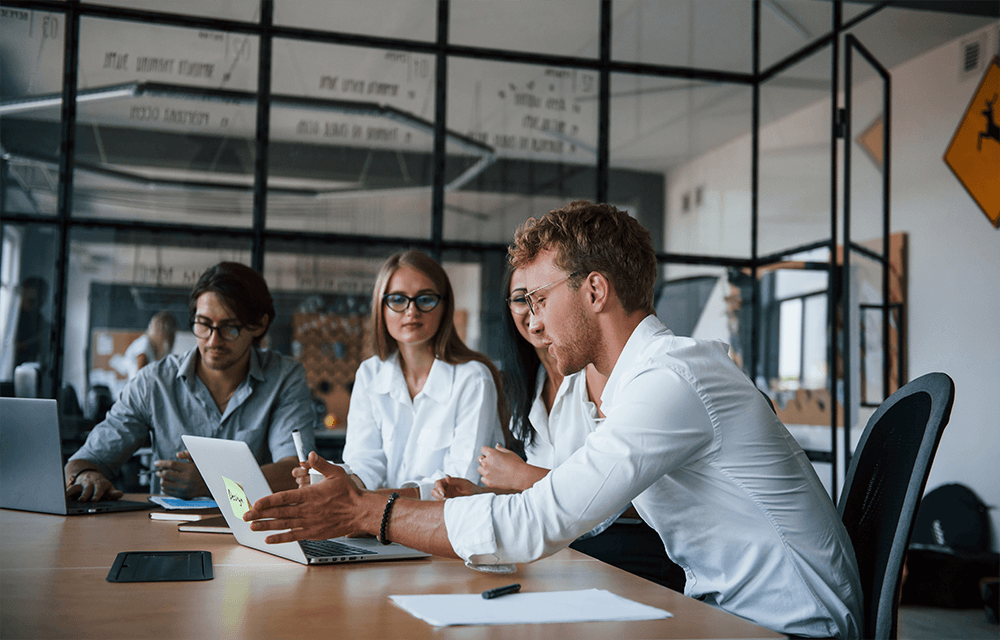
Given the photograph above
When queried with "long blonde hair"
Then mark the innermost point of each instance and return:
(447, 344)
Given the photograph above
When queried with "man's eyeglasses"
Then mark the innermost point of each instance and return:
(534, 303)
(203, 330)
(399, 303)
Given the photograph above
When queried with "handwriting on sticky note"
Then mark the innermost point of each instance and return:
(237, 497)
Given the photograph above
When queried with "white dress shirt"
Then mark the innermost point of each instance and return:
(561, 431)
(695, 448)
(140, 346)
(393, 441)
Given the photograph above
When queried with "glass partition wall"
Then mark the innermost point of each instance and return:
(143, 142)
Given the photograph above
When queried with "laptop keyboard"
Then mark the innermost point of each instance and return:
(326, 548)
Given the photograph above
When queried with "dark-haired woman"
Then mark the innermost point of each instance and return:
(425, 404)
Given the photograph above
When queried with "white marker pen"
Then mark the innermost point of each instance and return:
(299, 449)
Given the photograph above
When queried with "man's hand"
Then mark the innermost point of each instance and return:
(328, 509)
(301, 474)
(449, 487)
(90, 485)
(501, 468)
(180, 477)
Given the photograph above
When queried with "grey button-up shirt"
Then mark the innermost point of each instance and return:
(168, 398)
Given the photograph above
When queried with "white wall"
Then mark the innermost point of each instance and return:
(954, 266)
(954, 259)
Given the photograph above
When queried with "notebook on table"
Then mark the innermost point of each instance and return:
(215, 524)
(229, 466)
(31, 464)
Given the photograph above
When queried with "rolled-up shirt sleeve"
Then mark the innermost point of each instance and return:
(655, 424)
(122, 432)
(293, 410)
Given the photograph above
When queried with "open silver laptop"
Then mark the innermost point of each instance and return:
(31, 464)
(229, 466)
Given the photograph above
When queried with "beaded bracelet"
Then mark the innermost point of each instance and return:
(385, 517)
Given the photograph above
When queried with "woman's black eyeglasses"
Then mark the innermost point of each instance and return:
(518, 303)
(203, 330)
(399, 303)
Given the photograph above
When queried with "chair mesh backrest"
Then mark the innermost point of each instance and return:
(883, 488)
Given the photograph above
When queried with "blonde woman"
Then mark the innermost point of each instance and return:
(425, 404)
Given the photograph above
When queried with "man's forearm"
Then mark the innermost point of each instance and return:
(75, 467)
(413, 523)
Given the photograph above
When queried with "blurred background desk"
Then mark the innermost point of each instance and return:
(53, 573)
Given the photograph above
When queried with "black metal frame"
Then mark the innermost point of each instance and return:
(855, 47)
(603, 65)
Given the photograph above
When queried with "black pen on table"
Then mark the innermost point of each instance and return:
(489, 594)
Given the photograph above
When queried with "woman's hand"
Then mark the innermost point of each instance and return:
(501, 468)
(449, 487)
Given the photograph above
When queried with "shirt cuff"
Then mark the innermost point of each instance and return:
(469, 523)
(423, 486)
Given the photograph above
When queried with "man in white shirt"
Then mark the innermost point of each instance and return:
(688, 440)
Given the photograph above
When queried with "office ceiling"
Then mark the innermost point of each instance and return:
(144, 124)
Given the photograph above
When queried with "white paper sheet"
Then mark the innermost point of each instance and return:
(588, 605)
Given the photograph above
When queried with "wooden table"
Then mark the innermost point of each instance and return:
(53, 584)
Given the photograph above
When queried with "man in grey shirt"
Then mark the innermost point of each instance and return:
(226, 387)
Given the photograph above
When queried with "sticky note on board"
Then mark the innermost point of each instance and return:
(237, 497)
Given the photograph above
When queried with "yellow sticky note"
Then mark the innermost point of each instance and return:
(237, 497)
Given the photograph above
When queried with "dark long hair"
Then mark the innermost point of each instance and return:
(520, 365)
(448, 345)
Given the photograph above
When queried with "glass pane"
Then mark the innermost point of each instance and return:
(322, 293)
(480, 301)
(866, 151)
(788, 26)
(705, 34)
(815, 370)
(410, 19)
(117, 281)
(240, 10)
(559, 27)
(789, 283)
(867, 312)
(699, 304)
(790, 344)
(689, 140)
(28, 257)
(529, 145)
(166, 124)
(30, 107)
(351, 141)
(794, 193)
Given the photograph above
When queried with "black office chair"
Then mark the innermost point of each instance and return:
(883, 488)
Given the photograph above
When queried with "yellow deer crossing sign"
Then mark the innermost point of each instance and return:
(974, 152)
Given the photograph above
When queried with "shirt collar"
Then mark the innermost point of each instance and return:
(633, 350)
(256, 370)
(389, 380)
(439, 381)
(186, 370)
